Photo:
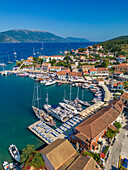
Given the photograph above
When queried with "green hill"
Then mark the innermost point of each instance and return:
(118, 44)
(20, 35)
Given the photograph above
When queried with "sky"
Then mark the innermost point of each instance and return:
(96, 20)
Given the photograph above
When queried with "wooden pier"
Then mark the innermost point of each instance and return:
(43, 130)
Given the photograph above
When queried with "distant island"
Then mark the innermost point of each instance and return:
(22, 35)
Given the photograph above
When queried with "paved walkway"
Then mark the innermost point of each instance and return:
(118, 148)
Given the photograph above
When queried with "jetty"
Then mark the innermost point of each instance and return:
(90, 110)
(45, 132)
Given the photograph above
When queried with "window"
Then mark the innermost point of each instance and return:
(102, 132)
(94, 140)
(82, 142)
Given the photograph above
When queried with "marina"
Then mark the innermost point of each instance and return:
(44, 132)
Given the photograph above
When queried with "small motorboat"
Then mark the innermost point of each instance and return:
(7, 166)
(59, 84)
(14, 152)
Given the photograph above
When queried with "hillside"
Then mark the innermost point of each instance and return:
(20, 35)
(118, 44)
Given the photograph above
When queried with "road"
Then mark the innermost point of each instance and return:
(116, 150)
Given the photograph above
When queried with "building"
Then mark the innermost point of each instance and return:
(121, 58)
(76, 75)
(87, 67)
(124, 97)
(46, 67)
(57, 57)
(98, 47)
(100, 81)
(27, 62)
(55, 68)
(61, 155)
(102, 72)
(46, 59)
(123, 67)
(30, 58)
(89, 132)
(38, 67)
(63, 75)
(93, 72)
(115, 86)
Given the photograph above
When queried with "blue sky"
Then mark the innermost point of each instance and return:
(96, 20)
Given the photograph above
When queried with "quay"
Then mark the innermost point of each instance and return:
(45, 132)
(90, 110)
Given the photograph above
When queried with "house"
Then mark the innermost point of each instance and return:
(61, 155)
(46, 59)
(73, 66)
(76, 75)
(98, 47)
(27, 62)
(46, 67)
(57, 57)
(102, 72)
(74, 51)
(63, 75)
(110, 54)
(30, 58)
(115, 86)
(124, 97)
(91, 61)
(93, 72)
(89, 132)
(86, 73)
(121, 58)
(123, 67)
(55, 68)
(87, 67)
(38, 67)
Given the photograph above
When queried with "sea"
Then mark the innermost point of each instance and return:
(16, 95)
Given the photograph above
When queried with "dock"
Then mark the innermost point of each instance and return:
(45, 132)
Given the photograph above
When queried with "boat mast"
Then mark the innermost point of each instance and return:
(70, 92)
(82, 94)
(64, 93)
(37, 96)
(78, 93)
(47, 99)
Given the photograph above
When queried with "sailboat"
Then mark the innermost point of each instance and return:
(40, 114)
(84, 103)
(72, 103)
(34, 51)
(9, 62)
(4, 72)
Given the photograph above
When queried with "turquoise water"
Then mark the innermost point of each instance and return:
(16, 98)
(16, 113)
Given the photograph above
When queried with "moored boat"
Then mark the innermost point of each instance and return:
(50, 82)
(14, 153)
(7, 166)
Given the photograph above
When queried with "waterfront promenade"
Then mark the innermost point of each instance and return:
(43, 130)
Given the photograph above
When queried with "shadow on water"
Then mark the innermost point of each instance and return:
(114, 168)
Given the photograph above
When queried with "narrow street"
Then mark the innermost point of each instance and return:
(116, 150)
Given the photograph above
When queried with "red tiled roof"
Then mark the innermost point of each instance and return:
(102, 69)
(92, 69)
(124, 96)
(121, 56)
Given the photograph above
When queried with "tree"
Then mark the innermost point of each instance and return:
(18, 63)
(26, 152)
(110, 133)
(105, 63)
(53, 62)
(117, 125)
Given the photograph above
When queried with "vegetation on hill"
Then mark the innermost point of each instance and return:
(21, 35)
(117, 45)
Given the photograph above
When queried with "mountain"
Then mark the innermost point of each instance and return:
(21, 35)
(73, 39)
(118, 44)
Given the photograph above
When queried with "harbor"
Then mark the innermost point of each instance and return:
(44, 132)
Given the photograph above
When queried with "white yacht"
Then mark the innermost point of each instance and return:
(68, 107)
(50, 82)
(56, 112)
(14, 152)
